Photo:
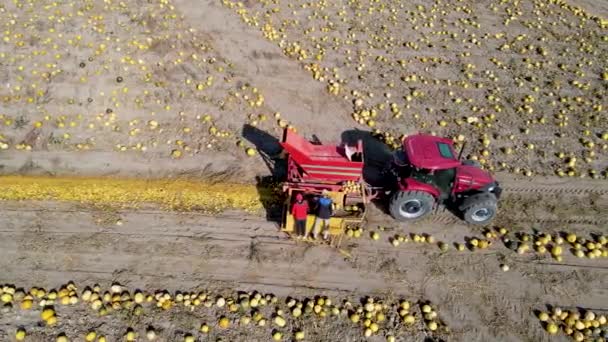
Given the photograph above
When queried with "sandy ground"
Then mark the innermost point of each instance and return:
(168, 89)
(599, 8)
(50, 243)
(151, 115)
(193, 80)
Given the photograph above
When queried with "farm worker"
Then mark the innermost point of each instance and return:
(324, 212)
(299, 210)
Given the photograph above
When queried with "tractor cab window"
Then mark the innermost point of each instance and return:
(445, 151)
(422, 175)
(444, 179)
(440, 179)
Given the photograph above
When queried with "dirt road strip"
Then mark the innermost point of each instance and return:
(58, 242)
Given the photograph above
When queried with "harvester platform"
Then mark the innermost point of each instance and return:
(322, 163)
(336, 170)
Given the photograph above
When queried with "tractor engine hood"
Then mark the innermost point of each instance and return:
(474, 176)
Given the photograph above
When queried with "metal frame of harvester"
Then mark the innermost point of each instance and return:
(336, 168)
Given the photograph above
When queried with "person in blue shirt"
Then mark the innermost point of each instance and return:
(324, 212)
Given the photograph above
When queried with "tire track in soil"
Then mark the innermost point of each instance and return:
(234, 233)
(439, 218)
(275, 276)
(189, 269)
(552, 190)
(217, 229)
(274, 243)
(179, 246)
(588, 220)
(171, 259)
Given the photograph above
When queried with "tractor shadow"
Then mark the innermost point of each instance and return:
(453, 209)
(377, 156)
(269, 149)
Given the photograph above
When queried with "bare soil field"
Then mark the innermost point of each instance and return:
(51, 243)
(119, 85)
(184, 89)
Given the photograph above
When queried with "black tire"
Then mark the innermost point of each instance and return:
(479, 209)
(410, 205)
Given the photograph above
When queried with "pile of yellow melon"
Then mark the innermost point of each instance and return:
(291, 318)
(579, 326)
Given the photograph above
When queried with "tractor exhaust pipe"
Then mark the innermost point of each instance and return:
(462, 150)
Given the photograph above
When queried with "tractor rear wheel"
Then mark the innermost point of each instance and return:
(410, 205)
(479, 209)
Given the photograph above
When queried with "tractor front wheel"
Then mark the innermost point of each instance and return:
(410, 205)
(479, 209)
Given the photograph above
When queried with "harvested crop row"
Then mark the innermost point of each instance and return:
(538, 243)
(579, 325)
(172, 194)
(194, 314)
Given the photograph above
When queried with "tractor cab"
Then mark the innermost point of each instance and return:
(428, 160)
(430, 172)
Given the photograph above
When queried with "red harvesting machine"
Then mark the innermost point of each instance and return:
(426, 170)
(337, 169)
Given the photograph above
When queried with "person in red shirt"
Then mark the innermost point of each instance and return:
(299, 210)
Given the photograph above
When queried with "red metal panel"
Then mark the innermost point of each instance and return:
(422, 152)
(469, 177)
(410, 184)
(320, 161)
(311, 187)
(329, 177)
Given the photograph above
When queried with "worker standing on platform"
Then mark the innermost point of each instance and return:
(324, 212)
(299, 210)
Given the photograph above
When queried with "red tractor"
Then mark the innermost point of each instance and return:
(429, 174)
(426, 173)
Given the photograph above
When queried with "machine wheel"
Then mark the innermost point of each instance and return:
(410, 205)
(479, 209)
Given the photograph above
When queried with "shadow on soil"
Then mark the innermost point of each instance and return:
(268, 186)
(433, 339)
(376, 154)
(377, 157)
(268, 147)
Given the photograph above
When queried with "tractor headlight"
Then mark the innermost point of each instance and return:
(490, 189)
(497, 191)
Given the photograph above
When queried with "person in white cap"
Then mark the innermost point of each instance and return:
(324, 212)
